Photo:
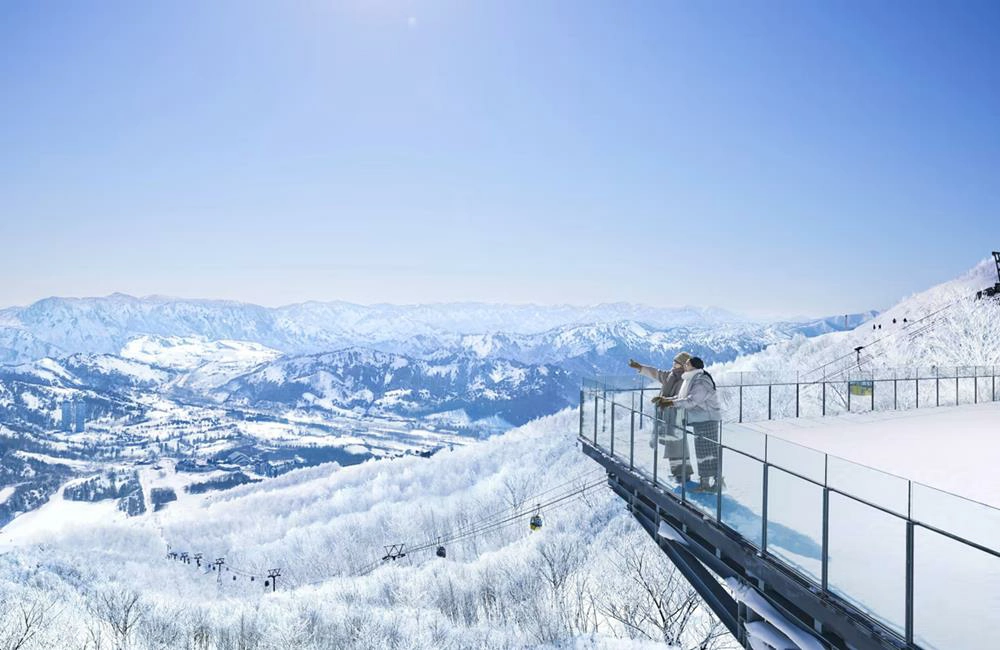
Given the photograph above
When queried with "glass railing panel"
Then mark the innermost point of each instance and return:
(975, 522)
(867, 560)
(704, 452)
(744, 439)
(754, 403)
(905, 392)
(645, 459)
(797, 459)
(795, 522)
(783, 401)
(588, 411)
(950, 389)
(810, 400)
(621, 422)
(956, 597)
(743, 495)
(604, 421)
(871, 485)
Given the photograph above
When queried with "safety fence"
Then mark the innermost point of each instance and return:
(756, 396)
(922, 563)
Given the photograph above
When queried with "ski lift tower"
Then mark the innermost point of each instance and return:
(990, 292)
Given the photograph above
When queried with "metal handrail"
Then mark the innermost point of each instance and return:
(608, 398)
(870, 380)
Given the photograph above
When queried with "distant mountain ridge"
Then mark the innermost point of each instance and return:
(61, 326)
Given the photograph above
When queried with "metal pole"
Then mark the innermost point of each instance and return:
(873, 391)
(763, 520)
(917, 382)
(824, 398)
(956, 386)
(595, 419)
(908, 623)
(642, 401)
(848, 395)
(656, 448)
(718, 478)
(684, 458)
(826, 538)
(895, 393)
(937, 387)
(631, 441)
(741, 398)
(612, 428)
(975, 387)
(909, 584)
(796, 399)
(769, 401)
(581, 412)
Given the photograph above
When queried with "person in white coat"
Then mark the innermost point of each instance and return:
(700, 401)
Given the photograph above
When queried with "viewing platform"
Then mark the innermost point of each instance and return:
(814, 549)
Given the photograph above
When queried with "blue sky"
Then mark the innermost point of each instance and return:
(773, 158)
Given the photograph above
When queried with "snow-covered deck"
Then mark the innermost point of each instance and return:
(952, 448)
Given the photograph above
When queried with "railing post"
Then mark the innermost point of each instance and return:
(642, 402)
(895, 393)
(769, 401)
(581, 412)
(612, 429)
(741, 397)
(604, 412)
(596, 398)
(994, 384)
(826, 525)
(684, 458)
(796, 399)
(763, 514)
(956, 386)
(937, 387)
(631, 441)
(718, 478)
(908, 624)
(975, 386)
(917, 382)
(824, 398)
(873, 392)
(848, 394)
(656, 446)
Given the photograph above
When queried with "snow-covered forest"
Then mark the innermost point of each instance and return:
(588, 574)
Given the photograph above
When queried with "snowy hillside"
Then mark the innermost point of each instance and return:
(202, 364)
(363, 380)
(942, 326)
(589, 574)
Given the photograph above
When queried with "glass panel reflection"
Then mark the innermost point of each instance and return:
(956, 594)
(743, 495)
(868, 569)
(795, 522)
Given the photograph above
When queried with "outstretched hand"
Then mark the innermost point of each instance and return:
(632, 363)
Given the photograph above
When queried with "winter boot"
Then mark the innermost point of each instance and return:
(704, 485)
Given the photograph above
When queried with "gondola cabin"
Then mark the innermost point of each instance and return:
(536, 522)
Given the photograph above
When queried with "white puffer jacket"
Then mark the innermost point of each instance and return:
(698, 397)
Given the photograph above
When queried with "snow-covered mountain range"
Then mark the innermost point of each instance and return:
(60, 326)
(182, 418)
